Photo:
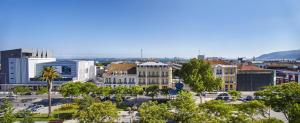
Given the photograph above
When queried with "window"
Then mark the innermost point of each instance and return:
(162, 74)
(125, 79)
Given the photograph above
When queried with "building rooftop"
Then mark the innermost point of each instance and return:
(216, 62)
(153, 64)
(248, 67)
(130, 68)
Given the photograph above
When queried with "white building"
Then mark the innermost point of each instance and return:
(22, 69)
(120, 74)
(154, 73)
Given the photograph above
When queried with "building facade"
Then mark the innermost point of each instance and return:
(228, 73)
(23, 67)
(154, 73)
(252, 78)
(122, 74)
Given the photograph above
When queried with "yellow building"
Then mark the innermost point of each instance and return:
(228, 73)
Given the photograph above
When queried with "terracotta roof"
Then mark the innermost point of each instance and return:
(248, 67)
(215, 62)
(130, 68)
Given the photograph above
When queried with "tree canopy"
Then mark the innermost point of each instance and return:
(199, 75)
(152, 112)
(283, 98)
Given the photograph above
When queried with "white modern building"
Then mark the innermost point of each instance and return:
(24, 67)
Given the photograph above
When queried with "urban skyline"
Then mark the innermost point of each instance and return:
(161, 28)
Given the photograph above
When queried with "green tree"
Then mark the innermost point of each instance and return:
(186, 108)
(88, 87)
(85, 102)
(99, 112)
(6, 109)
(198, 75)
(104, 91)
(120, 92)
(136, 90)
(21, 90)
(283, 98)
(152, 112)
(234, 94)
(252, 108)
(41, 90)
(49, 74)
(152, 91)
(70, 89)
(217, 110)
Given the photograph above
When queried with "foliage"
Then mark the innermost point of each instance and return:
(152, 112)
(120, 92)
(70, 89)
(217, 110)
(65, 107)
(49, 74)
(152, 91)
(199, 75)
(234, 94)
(41, 90)
(99, 112)
(85, 102)
(7, 109)
(252, 108)
(104, 91)
(186, 108)
(268, 120)
(25, 115)
(21, 90)
(283, 98)
(88, 87)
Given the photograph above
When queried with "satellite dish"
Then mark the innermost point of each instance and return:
(179, 86)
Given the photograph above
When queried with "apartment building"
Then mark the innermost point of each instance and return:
(122, 74)
(154, 73)
(228, 73)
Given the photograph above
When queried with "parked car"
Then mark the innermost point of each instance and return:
(249, 98)
(224, 96)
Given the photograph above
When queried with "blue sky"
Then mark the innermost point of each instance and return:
(162, 28)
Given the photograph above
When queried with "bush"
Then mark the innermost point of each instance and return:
(65, 107)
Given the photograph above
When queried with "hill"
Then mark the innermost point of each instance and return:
(291, 54)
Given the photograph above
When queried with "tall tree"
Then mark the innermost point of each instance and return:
(152, 112)
(253, 108)
(48, 75)
(283, 98)
(198, 75)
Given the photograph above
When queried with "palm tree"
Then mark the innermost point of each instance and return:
(49, 74)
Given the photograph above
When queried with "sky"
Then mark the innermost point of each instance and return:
(162, 28)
